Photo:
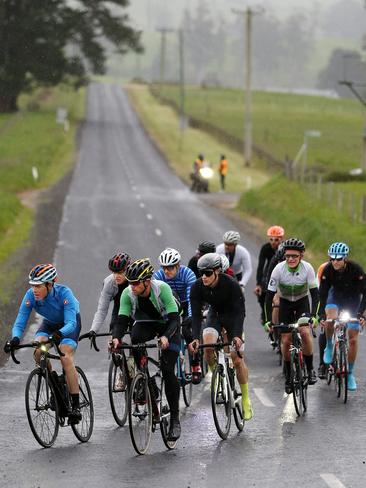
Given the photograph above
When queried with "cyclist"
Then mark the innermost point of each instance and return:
(238, 256)
(113, 286)
(268, 250)
(180, 279)
(225, 266)
(226, 311)
(322, 340)
(203, 248)
(278, 257)
(342, 286)
(294, 279)
(148, 299)
(61, 321)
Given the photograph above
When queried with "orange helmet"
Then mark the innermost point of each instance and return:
(275, 231)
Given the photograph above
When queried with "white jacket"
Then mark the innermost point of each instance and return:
(242, 262)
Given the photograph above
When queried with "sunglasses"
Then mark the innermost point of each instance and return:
(134, 282)
(292, 256)
(336, 259)
(168, 268)
(206, 272)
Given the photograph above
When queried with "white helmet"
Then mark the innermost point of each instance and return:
(231, 237)
(225, 264)
(169, 257)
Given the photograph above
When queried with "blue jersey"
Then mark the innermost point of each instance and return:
(181, 283)
(60, 307)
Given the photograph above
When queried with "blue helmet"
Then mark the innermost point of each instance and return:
(338, 250)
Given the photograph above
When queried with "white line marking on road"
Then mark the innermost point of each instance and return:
(138, 196)
(142, 205)
(158, 232)
(149, 216)
(133, 188)
(331, 480)
(263, 397)
(289, 414)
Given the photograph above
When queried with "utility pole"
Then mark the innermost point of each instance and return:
(248, 14)
(181, 81)
(163, 31)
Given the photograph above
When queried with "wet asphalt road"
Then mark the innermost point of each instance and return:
(123, 196)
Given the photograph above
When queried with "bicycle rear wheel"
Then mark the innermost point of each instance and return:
(118, 381)
(220, 402)
(343, 372)
(84, 429)
(140, 413)
(238, 410)
(186, 378)
(165, 419)
(41, 412)
(296, 381)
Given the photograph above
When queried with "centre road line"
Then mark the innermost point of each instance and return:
(289, 414)
(158, 232)
(149, 216)
(142, 205)
(263, 397)
(331, 480)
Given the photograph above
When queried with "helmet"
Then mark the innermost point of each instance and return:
(225, 264)
(139, 270)
(119, 262)
(211, 260)
(231, 237)
(280, 254)
(275, 231)
(42, 273)
(338, 250)
(169, 257)
(294, 243)
(206, 246)
(201, 157)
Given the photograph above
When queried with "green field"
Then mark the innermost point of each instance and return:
(32, 139)
(280, 121)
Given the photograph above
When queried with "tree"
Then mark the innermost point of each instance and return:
(51, 41)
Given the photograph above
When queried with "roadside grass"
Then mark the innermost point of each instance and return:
(27, 139)
(162, 124)
(280, 121)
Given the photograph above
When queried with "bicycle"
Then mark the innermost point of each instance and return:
(184, 373)
(225, 391)
(147, 403)
(120, 374)
(298, 375)
(338, 369)
(48, 401)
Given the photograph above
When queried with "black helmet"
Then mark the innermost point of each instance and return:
(211, 260)
(119, 262)
(140, 269)
(201, 157)
(294, 243)
(206, 246)
(280, 253)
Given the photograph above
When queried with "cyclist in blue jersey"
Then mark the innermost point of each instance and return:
(61, 320)
(180, 279)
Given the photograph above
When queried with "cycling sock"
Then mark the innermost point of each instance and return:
(75, 400)
(244, 391)
(309, 362)
(350, 367)
(245, 401)
(329, 342)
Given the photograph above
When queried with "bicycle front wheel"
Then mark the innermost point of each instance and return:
(140, 413)
(238, 410)
(186, 378)
(220, 402)
(165, 419)
(83, 430)
(297, 383)
(343, 373)
(42, 408)
(118, 390)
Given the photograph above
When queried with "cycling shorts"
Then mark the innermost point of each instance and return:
(290, 312)
(217, 323)
(350, 304)
(47, 328)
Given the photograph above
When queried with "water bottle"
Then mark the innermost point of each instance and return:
(131, 366)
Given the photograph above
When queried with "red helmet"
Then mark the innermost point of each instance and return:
(275, 231)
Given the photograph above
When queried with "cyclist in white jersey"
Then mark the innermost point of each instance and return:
(294, 279)
(238, 256)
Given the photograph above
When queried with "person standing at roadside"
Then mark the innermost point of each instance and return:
(223, 169)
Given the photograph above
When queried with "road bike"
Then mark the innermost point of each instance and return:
(225, 391)
(48, 401)
(184, 372)
(338, 368)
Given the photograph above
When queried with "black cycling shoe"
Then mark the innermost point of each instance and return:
(288, 387)
(174, 430)
(322, 372)
(75, 416)
(312, 379)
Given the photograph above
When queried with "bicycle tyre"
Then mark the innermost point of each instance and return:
(44, 423)
(140, 413)
(186, 378)
(304, 386)
(84, 429)
(238, 408)
(343, 367)
(220, 398)
(165, 419)
(118, 399)
(296, 380)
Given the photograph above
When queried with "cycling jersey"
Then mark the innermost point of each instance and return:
(181, 283)
(110, 292)
(60, 308)
(292, 283)
(348, 285)
(226, 300)
(265, 256)
(240, 261)
(192, 264)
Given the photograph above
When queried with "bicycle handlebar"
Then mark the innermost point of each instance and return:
(37, 345)
(220, 345)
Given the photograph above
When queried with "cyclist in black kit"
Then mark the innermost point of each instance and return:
(204, 247)
(226, 310)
